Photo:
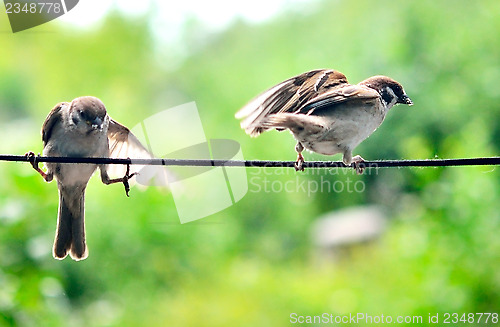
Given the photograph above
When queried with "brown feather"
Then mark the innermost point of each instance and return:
(53, 118)
(288, 97)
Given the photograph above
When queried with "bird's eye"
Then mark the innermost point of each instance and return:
(82, 115)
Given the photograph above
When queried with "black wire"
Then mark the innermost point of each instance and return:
(489, 161)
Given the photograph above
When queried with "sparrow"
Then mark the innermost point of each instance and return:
(324, 112)
(81, 128)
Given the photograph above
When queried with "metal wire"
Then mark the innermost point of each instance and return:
(488, 161)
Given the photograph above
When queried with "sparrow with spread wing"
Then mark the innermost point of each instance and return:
(324, 112)
(82, 128)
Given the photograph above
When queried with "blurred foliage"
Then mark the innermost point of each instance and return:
(255, 263)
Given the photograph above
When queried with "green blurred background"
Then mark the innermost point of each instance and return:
(257, 262)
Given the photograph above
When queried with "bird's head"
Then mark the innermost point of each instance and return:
(88, 114)
(390, 91)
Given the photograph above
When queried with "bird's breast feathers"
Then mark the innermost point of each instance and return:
(346, 129)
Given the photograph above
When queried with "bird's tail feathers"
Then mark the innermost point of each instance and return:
(277, 121)
(70, 233)
(293, 122)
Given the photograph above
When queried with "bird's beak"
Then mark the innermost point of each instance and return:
(97, 123)
(405, 100)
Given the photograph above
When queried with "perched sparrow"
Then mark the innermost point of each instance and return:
(324, 112)
(81, 128)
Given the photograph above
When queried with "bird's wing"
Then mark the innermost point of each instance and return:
(124, 144)
(331, 99)
(52, 119)
(288, 97)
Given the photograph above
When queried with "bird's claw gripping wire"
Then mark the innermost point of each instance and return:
(123, 179)
(33, 159)
(358, 163)
(299, 164)
(128, 176)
